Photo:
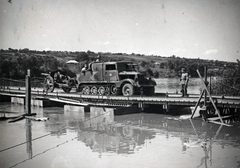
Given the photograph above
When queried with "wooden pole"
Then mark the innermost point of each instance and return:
(205, 80)
(3, 83)
(195, 108)
(29, 138)
(28, 92)
(210, 84)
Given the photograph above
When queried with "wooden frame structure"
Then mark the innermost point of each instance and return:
(206, 92)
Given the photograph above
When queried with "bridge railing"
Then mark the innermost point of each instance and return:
(217, 86)
(19, 84)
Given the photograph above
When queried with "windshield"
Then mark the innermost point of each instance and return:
(135, 67)
(126, 67)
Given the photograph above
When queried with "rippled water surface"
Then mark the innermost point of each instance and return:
(72, 138)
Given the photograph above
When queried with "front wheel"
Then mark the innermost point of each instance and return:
(127, 89)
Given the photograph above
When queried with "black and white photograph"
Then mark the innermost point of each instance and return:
(119, 83)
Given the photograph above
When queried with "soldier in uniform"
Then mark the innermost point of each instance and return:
(85, 68)
(184, 82)
(98, 58)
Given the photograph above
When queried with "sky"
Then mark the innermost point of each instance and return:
(206, 29)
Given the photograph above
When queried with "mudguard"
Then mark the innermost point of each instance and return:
(122, 82)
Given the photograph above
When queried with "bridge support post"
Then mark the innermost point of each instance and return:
(3, 84)
(141, 106)
(28, 92)
(165, 108)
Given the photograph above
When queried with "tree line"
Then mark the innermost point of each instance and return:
(14, 64)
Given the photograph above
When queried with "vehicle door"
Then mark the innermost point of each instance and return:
(97, 70)
(110, 73)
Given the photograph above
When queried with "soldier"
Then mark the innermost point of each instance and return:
(98, 58)
(57, 77)
(85, 68)
(184, 82)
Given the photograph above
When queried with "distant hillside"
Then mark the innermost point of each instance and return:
(14, 63)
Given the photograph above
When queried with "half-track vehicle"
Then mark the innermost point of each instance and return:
(56, 79)
(115, 78)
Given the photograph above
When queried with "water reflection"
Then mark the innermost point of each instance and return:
(100, 132)
(126, 134)
(29, 138)
(100, 119)
(208, 150)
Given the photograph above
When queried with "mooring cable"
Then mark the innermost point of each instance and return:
(15, 80)
(25, 142)
(47, 134)
(43, 152)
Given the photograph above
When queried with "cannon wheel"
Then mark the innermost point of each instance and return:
(48, 84)
(66, 89)
(127, 89)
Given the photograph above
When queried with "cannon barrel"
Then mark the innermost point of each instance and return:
(45, 74)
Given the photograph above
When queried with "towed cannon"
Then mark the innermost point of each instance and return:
(56, 79)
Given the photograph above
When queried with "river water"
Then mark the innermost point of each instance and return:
(172, 85)
(100, 139)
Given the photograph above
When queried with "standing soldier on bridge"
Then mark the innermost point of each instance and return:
(184, 82)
